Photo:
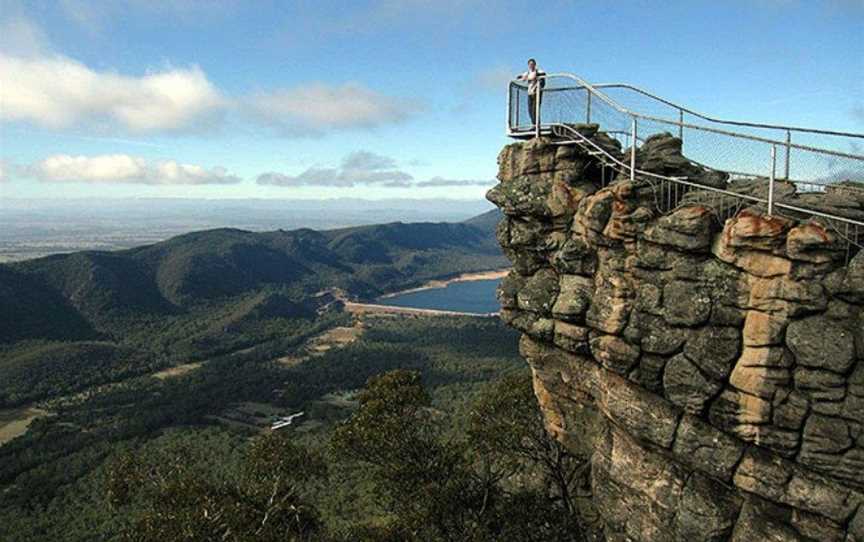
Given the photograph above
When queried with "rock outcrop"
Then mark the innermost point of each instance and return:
(713, 367)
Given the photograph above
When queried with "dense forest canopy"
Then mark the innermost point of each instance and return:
(72, 321)
(152, 376)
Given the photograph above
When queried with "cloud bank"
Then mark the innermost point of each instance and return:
(58, 92)
(45, 88)
(362, 168)
(358, 168)
(122, 168)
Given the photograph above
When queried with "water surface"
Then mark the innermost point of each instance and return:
(477, 296)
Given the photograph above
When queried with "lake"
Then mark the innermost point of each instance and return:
(476, 296)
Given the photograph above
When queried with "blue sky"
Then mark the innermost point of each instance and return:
(379, 99)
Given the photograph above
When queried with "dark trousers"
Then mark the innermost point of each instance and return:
(532, 106)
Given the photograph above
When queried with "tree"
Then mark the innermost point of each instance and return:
(425, 482)
(508, 440)
(498, 476)
(506, 432)
(468, 487)
(264, 502)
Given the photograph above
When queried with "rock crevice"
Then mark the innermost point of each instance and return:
(712, 366)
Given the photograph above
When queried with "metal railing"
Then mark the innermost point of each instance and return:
(814, 160)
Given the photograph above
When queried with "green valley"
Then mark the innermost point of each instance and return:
(197, 345)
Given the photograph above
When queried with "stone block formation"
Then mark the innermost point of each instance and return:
(713, 367)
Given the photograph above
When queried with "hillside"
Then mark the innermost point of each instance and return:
(206, 293)
(487, 221)
(200, 340)
(68, 296)
(53, 477)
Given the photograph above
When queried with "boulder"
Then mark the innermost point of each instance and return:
(706, 358)
(755, 231)
(820, 343)
(714, 350)
(575, 257)
(539, 292)
(686, 303)
(814, 243)
(686, 386)
(764, 329)
(610, 309)
(852, 287)
(688, 229)
(823, 434)
(733, 409)
(707, 449)
(656, 336)
(574, 297)
(614, 353)
(509, 288)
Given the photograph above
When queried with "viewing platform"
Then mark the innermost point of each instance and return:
(790, 161)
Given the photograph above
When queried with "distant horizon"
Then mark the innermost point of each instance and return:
(36, 228)
(250, 198)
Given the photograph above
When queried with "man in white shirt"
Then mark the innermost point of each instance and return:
(534, 76)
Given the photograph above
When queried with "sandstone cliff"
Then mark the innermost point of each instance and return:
(711, 361)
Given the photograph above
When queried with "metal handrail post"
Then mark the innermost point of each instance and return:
(633, 150)
(537, 109)
(788, 151)
(510, 109)
(588, 108)
(771, 180)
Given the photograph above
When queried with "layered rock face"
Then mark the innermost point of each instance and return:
(713, 367)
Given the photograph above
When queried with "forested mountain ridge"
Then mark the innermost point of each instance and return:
(204, 294)
(83, 294)
(191, 348)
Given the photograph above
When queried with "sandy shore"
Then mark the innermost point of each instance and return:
(465, 277)
(15, 422)
(372, 308)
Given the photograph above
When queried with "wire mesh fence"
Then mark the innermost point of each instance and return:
(814, 160)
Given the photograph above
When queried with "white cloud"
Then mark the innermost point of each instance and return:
(317, 108)
(122, 168)
(58, 92)
(367, 161)
(2, 171)
(357, 168)
(48, 89)
(363, 168)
